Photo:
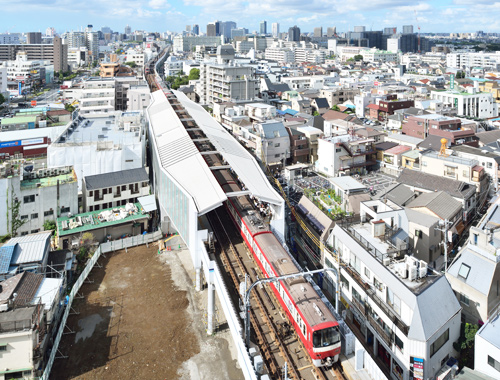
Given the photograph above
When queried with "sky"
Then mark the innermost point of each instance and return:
(173, 15)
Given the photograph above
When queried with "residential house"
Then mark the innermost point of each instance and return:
(320, 105)
(487, 349)
(475, 273)
(114, 189)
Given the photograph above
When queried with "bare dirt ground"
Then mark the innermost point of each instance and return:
(142, 319)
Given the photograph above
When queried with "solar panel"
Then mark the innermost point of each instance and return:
(6, 253)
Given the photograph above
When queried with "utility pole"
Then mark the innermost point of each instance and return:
(444, 224)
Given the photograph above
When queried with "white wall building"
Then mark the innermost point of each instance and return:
(173, 66)
(101, 144)
(3, 80)
(470, 60)
(473, 104)
(388, 300)
(44, 194)
(487, 348)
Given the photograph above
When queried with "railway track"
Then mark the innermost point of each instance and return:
(266, 329)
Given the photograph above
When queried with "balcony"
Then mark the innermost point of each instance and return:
(358, 305)
(380, 331)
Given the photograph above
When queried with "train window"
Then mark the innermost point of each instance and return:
(326, 337)
(304, 329)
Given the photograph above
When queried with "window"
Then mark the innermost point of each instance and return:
(91, 208)
(450, 171)
(489, 165)
(29, 198)
(494, 363)
(91, 193)
(34, 216)
(464, 271)
(3, 347)
(398, 342)
(124, 187)
(424, 163)
(277, 145)
(464, 299)
(338, 150)
(64, 209)
(24, 217)
(465, 174)
(394, 301)
(104, 191)
(35, 231)
(145, 184)
(367, 272)
(276, 155)
(377, 284)
(48, 213)
(439, 342)
(24, 233)
(344, 281)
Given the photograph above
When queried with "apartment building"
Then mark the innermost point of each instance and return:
(173, 66)
(97, 96)
(226, 82)
(278, 54)
(487, 349)
(138, 98)
(56, 53)
(338, 95)
(114, 189)
(470, 60)
(438, 125)
(272, 142)
(480, 105)
(380, 56)
(345, 154)
(3, 80)
(43, 194)
(387, 295)
(187, 43)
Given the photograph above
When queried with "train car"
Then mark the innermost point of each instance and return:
(314, 323)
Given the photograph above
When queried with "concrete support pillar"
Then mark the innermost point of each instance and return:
(211, 309)
(198, 279)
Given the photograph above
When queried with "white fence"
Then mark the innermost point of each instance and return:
(105, 247)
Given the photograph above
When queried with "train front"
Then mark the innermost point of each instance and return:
(325, 344)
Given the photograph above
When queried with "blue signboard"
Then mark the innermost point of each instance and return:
(19, 88)
(8, 144)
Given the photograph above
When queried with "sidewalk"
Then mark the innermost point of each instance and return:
(349, 369)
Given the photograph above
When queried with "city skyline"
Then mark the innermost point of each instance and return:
(162, 15)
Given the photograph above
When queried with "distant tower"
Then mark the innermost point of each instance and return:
(263, 27)
(318, 32)
(196, 29)
(407, 29)
(294, 33)
(276, 29)
(128, 30)
(331, 32)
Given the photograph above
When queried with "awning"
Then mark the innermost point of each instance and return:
(460, 227)
(148, 203)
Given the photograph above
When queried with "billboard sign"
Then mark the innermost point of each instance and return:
(452, 81)
(33, 103)
(416, 368)
(19, 88)
(9, 144)
(32, 141)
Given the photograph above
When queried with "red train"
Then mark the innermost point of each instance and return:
(314, 323)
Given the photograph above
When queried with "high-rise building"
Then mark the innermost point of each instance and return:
(196, 29)
(188, 28)
(331, 32)
(106, 29)
(225, 29)
(92, 42)
(359, 29)
(211, 30)
(294, 33)
(276, 29)
(407, 29)
(34, 38)
(263, 27)
(318, 32)
(390, 31)
(128, 29)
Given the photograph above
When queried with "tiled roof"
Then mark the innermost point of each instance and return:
(440, 203)
(430, 182)
(122, 177)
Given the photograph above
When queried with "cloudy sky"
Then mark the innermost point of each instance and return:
(174, 15)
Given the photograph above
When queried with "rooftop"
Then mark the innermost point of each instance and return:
(35, 180)
(436, 117)
(449, 158)
(347, 183)
(403, 138)
(117, 128)
(19, 120)
(112, 179)
(99, 219)
(490, 331)
(398, 149)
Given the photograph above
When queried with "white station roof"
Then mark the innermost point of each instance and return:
(179, 156)
(241, 161)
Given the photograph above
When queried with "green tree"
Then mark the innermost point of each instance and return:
(68, 107)
(358, 57)
(131, 64)
(315, 113)
(470, 331)
(194, 74)
(49, 225)
(2, 99)
(335, 108)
